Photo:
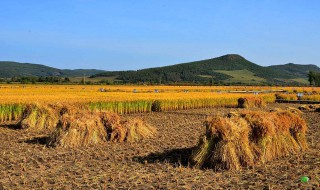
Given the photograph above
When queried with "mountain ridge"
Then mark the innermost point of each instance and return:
(229, 68)
(10, 69)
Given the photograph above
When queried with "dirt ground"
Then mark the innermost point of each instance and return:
(157, 163)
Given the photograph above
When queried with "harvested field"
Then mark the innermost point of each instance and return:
(153, 163)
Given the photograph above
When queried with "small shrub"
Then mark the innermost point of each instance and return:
(156, 106)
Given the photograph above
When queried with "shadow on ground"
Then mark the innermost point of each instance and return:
(36, 140)
(11, 126)
(176, 157)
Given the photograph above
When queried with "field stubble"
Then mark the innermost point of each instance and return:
(160, 162)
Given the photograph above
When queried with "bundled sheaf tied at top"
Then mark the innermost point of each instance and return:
(250, 102)
(85, 128)
(71, 126)
(37, 117)
(244, 139)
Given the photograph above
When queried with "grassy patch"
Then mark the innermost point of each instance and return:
(97, 79)
(301, 80)
(243, 76)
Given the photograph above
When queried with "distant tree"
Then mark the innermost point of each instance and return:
(314, 78)
(14, 79)
(66, 79)
(311, 77)
(42, 79)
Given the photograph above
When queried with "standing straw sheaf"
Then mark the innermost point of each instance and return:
(250, 102)
(247, 138)
(75, 130)
(37, 118)
(85, 128)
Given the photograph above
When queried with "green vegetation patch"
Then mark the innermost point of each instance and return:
(243, 76)
(110, 79)
(301, 80)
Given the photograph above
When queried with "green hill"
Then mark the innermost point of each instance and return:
(229, 68)
(295, 69)
(14, 69)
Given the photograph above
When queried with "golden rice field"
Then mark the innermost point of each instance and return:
(136, 99)
(83, 94)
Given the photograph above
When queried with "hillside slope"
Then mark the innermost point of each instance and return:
(14, 69)
(229, 68)
(295, 69)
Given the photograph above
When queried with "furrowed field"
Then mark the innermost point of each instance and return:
(158, 137)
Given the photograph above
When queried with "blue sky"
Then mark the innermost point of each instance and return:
(136, 34)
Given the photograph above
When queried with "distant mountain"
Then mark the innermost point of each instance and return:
(295, 69)
(229, 68)
(14, 69)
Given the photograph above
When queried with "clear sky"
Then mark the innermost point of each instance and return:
(136, 34)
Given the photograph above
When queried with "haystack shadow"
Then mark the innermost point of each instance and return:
(36, 140)
(186, 114)
(11, 126)
(176, 157)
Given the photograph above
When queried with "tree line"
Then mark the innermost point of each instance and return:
(33, 80)
(313, 78)
(50, 80)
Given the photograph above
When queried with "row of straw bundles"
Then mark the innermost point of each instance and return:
(73, 127)
(85, 128)
(240, 141)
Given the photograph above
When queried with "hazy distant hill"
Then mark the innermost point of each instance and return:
(14, 69)
(230, 68)
(295, 69)
(227, 69)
